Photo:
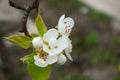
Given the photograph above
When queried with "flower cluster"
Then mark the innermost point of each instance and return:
(54, 43)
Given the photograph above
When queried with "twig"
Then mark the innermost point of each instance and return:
(27, 12)
(11, 3)
(23, 24)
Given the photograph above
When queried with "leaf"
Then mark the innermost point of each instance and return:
(39, 73)
(28, 59)
(22, 41)
(34, 35)
(40, 25)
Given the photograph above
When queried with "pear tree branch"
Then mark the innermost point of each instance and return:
(27, 12)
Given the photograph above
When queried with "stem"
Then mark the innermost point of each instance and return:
(11, 3)
(23, 24)
(27, 12)
(37, 5)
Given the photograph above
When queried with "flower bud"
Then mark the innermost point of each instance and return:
(37, 42)
(61, 59)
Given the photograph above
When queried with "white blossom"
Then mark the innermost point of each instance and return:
(42, 60)
(52, 43)
(65, 25)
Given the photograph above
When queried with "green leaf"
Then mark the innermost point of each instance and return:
(22, 41)
(40, 25)
(39, 73)
(28, 59)
(34, 35)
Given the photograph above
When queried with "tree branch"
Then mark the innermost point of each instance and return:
(23, 24)
(27, 12)
(12, 4)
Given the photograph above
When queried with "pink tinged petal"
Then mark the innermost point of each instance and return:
(69, 22)
(37, 42)
(61, 59)
(68, 30)
(51, 59)
(52, 33)
(39, 62)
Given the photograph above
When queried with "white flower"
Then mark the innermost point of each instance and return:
(37, 42)
(43, 60)
(52, 43)
(65, 25)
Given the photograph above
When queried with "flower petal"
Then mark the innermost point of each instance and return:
(51, 59)
(47, 50)
(62, 42)
(51, 33)
(69, 22)
(52, 42)
(68, 56)
(61, 28)
(37, 42)
(68, 49)
(61, 45)
(61, 19)
(61, 59)
(39, 62)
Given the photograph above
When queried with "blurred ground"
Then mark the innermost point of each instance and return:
(95, 42)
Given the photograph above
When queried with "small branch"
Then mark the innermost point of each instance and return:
(37, 5)
(11, 3)
(23, 24)
(27, 12)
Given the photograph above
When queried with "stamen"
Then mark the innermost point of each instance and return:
(68, 30)
(65, 22)
(59, 35)
(49, 47)
(56, 47)
(45, 42)
(42, 54)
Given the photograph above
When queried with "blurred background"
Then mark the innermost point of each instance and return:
(95, 38)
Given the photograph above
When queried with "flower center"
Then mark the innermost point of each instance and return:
(45, 42)
(59, 35)
(42, 54)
